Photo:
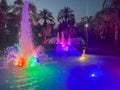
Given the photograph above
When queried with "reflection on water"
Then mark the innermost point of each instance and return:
(65, 73)
(41, 78)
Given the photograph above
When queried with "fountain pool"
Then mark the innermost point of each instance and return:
(65, 73)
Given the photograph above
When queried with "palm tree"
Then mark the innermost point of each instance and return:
(33, 14)
(115, 6)
(65, 14)
(106, 21)
(46, 16)
(14, 17)
(13, 20)
(17, 6)
(66, 18)
(100, 24)
(85, 31)
(3, 20)
(14, 14)
(48, 22)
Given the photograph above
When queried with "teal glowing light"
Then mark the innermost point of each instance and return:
(32, 62)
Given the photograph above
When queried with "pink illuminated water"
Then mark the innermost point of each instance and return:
(21, 54)
(62, 40)
(25, 34)
(62, 43)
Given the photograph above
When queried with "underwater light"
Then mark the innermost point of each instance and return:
(21, 62)
(66, 49)
(82, 58)
(96, 73)
(33, 61)
(32, 64)
(93, 75)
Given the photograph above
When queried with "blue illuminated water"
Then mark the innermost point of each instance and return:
(65, 72)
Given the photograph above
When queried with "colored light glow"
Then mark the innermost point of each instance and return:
(69, 43)
(61, 43)
(86, 25)
(33, 62)
(22, 54)
(93, 75)
(66, 49)
(38, 59)
(69, 49)
(16, 63)
(42, 72)
(64, 43)
(21, 62)
(83, 58)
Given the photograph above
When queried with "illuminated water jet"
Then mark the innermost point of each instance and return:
(24, 52)
(63, 43)
(83, 57)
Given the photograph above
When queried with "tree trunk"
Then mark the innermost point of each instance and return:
(116, 28)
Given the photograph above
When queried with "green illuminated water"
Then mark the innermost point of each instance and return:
(43, 77)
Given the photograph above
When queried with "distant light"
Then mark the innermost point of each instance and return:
(39, 35)
(86, 25)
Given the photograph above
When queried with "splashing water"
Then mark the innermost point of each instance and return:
(25, 52)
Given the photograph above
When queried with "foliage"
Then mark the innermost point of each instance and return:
(104, 26)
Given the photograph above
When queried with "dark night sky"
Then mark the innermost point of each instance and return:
(81, 7)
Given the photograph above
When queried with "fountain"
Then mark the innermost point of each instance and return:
(83, 56)
(64, 45)
(25, 52)
(25, 37)
(60, 40)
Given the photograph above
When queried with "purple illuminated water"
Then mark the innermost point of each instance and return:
(25, 34)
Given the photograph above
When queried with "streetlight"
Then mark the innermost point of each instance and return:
(86, 26)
